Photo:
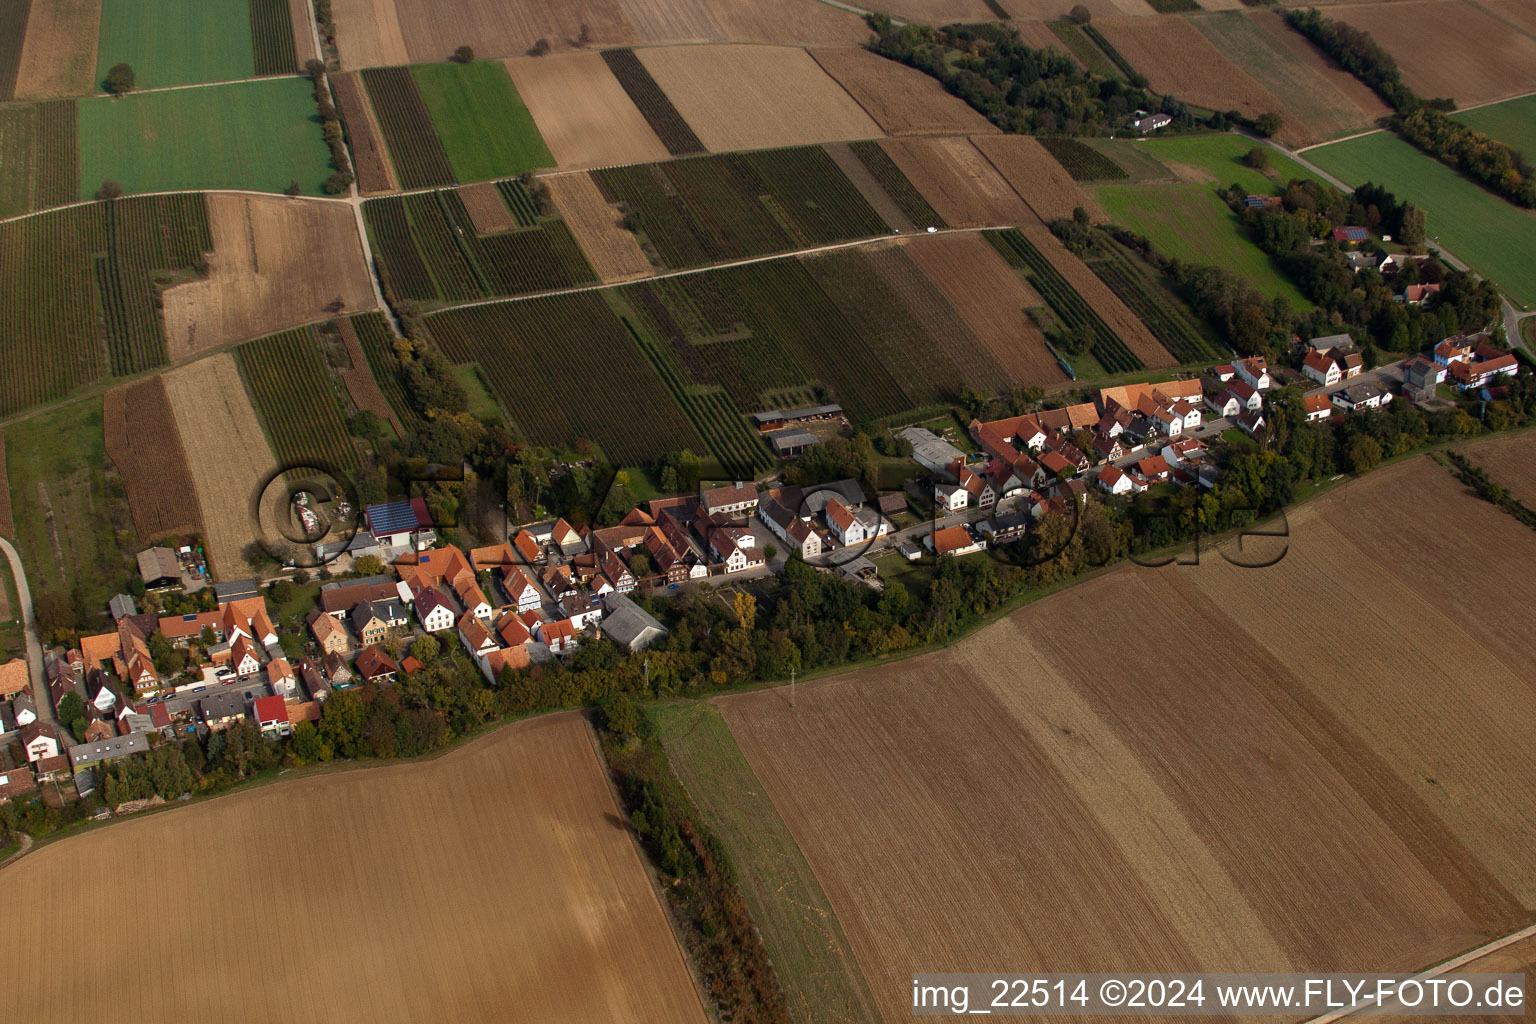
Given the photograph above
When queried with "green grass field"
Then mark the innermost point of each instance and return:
(1512, 122)
(485, 129)
(176, 42)
(252, 135)
(1495, 238)
(1191, 223)
(808, 947)
(1221, 157)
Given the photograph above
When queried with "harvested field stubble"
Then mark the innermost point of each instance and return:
(959, 182)
(276, 262)
(7, 522)
(1302, 806)
(991, 298)
(1037, 176)
(482, 201)
(1511, 461)
(902, 100)
(583, 938)
(58, 56)
(498, 29)
(369, 33)
(361, 385)
(374, 172)
(584, 114)
(756, 97)
(612, 251)
(143, 442)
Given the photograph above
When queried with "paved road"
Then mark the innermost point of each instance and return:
(1512, 317)
(29, 624)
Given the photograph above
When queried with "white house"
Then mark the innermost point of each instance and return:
(1322, 369)
(1191, 414)
(522, 591)
(1224, 404)
(1316, 407)
(1361, 396)
(1169, 423)
(40, 741)
(1116, 482)
(1247, 394)
(433, 610)
(950, 496)
(730, 499)
(473, 599)
(1254, 372)
(848, 528)
(477, 639)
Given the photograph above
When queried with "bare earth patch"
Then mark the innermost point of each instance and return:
(1037, 176)
(421, 920)
(756, 97)
(486, 210)
(902, 100)
(227, 453)
(1511, 461)
(584, 114)
(303, 36)
(958, 182)
(276, 263)
(368, 33)
(58, 55)
(991, 298)
(362, 386)
(143, 442)
(613, 251)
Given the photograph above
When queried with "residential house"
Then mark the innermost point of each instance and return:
(1002, 530)
(1361, 396)
(434, 611)
(1251, 422)
(1416, 294)
(953, 540)
(330, 634)
(521, 590)
(1420, 376)
(1056, 465)
(99, 694)
(243, 657)
(271, 714)
(475, 636)
(338, 672)
(1322, 369)
(1151, 122)
(338, 599)
(580, 611)
(788, 527)
(1251, 397)
(731, 499)
(282, 679)
(443, 567)
(502, 658)
(1470, 375)
(559, 636)
(981, 493)
(24, 709)
(313, 678)
(108, 748)
(1351, 363)
(374, 666)
(1330, 341)
(16, 783)
(1224, 403)
(1316, 408)
(39, 740)
(1254, 372)
(222, 709)
(1457, 348)
(1224, 373)
(951, 497)
(368, 624)
(13, 678)
(566, 538)
(1183, 452)
(1108, 447)
(559, 581)
(1153, 469)
(845, 526)
(728, 552)
(1115, 481)
(1189, 412)
(618, 573)
(99, 729)
(473, 600)
(530, 550)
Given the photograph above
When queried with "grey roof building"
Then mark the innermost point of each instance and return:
(629, 625)
(121, 606)
(235, 590)
(108, 750)
(930, 450)
(159, 568)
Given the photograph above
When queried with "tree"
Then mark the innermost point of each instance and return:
(619, 715)
(119, 79)
(314, 68)
(293, 188)
(1267, 124)
(426, 649)
(368, 565)
(337, 183)
(168, 771)
(1364, 454)
(1412, 229)
(109, 190)
(72, 714)
(539, 48)
(1257, 158)
(464, 55)
(1080, 14)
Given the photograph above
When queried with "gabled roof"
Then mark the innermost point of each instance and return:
(1152, 465)
(1241, 389)
(526, 545)
(398, 516)
(373, 662)
(270, 709)
(1315, 403)
(491, 557)
(474, 632)
(951, 538)
(839, 514)
(1315, 360)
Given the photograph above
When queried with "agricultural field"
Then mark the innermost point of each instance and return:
(962, 185)
(75, 536)
(488, 213)
(86, 274)
(18, 135)
(370, 161)
(13, 28)
(809, 951)
(1043, 9)
(146, 449)
(274, 262)
(653, 104)
(614, 253)
(248, 135)
(1327, 100)
(414, 147)
(580, 938)
(1198, 789)
(1165, 314)
(1492, 236)
(485, 130)
(1071, 39)
(1512, 122)
(373, 335)
(231, 462)
(888, 179)
(1190, 223)
(1217, 160)
(582, 111)
(710, 209)
(756, 97)
(991, 299)
(1451, 48)
(600, 388)
(902, 100)
(1177, 59)
(362, 386)
(1036, 176)
(180, 42)
(428, 250)
(1511, 461)
(296, 401)
(1081, 161)
(58, 56)
(39, 156)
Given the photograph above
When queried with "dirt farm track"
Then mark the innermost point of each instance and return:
(490, 884)
(1324, 767)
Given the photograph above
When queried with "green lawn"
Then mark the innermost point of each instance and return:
(1221, 156)
(808, 947)
(1494, 237)
(1191, 223)
(176, 42)
(60, 455)
(485, 129)
(1512, 122)
(253, 135)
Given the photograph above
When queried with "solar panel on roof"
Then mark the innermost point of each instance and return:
(392, 517)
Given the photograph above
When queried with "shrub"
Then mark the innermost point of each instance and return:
(1080, 15)
(1257, 158)
(119, 79)
(1267, 124)
(464, 55)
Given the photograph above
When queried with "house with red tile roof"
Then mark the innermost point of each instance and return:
(953, 540)
(374, 666)
(271, 714)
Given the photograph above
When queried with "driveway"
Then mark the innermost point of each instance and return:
(29, 624)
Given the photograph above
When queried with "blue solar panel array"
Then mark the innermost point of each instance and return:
(393, 517)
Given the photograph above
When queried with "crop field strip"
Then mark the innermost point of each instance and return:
(653, 103)
(18, 139)
(13, 31)
(369, 159)
(1083, 162)
(1065, 302)
(145, 446)
(896, 184)
(1165, 315)
(565, 367)
(143, 235)
(58, 154)
(296, 399)
(1081, 47)
(377, 342)
(272, 40)
(431, 252)
(712, 209)
(412, 140)
(482, 123)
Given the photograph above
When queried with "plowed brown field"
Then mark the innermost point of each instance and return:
(1047, 10)
(361, 385)
(991, 298)
(485, 208)
(584, 114)
(612, 251)
(1106, 303)
(1510, 461)
(959, 183)
(902, 100)
(143, 442)
(1328, 771)
(1037, 176)
(1177, 59)
(303, 36)
(58, 54)
(790, 22)
(368, 33)
(276, 262)
(374, 172)
(420, 917)
(756, 97)
(1520, 12)
(499, 29)
(227, 454)
(1306, 56)
(1450, 48)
